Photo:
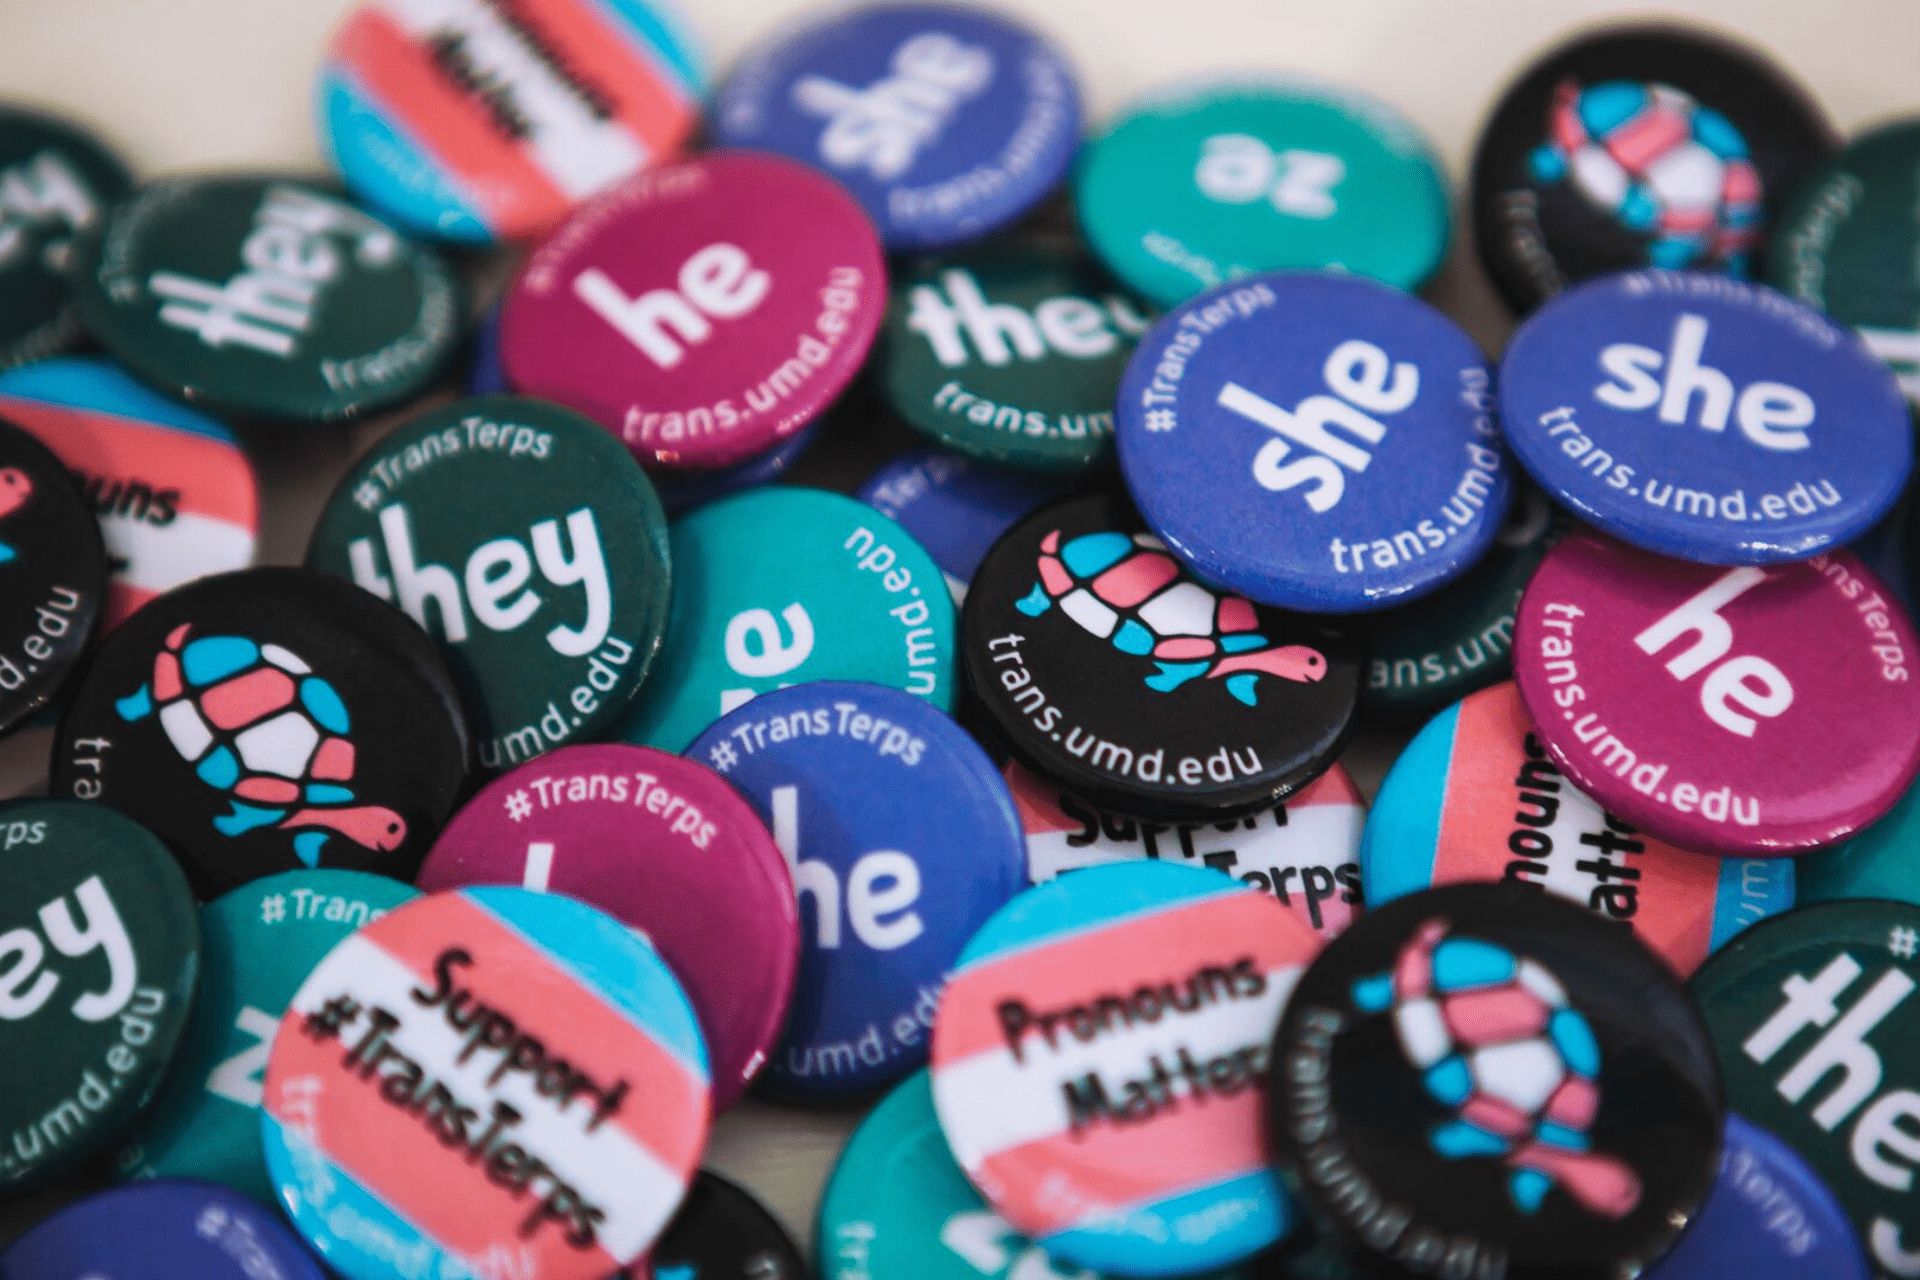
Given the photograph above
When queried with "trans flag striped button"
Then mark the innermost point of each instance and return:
(1100, 1063)
(474, 122)
(492, 1080)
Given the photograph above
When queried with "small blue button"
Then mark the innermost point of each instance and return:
(955, 506)
(1704, 418)
(487, 376)
(166, 1229)
(945, 122)
(902, 840)
(1314, 442)
(1768, 1217)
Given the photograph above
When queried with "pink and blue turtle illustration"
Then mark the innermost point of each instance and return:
(1131, 593)
(15, 489)
(1662, 164)
(1496, 1039)
(256, 722)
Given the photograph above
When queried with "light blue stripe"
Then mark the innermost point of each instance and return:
(326, 1225)
(661, 34)
(90, 382)
(1750, 890)
(390, 170)
(1146, 1241)
(1402, 834)
(1101, 897)
(599, 951)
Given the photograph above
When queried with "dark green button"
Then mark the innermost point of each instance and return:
(1849, 243)
(55, 181)
(1437, 650)
(258, 944)
(1010, 354)
(266, 297)
(99, 954)
(531, 546)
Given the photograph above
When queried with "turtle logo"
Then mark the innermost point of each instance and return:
(15, 489)
(256, 723)
(1131, 593)
(1496, 1039)
(1662, 164)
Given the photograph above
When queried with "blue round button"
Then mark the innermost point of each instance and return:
(1768, 1217)
(487, 375)
(1314, 442)
(955, 506)
(1704, 418)
(167, 1229)
(945, 122)
(902, 840)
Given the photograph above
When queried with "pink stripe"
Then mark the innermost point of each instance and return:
(1335, 786)
(647, 99)
(213, 477)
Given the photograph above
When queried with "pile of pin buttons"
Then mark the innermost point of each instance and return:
(1007, 793)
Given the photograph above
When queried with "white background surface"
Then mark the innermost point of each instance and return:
(180, 84)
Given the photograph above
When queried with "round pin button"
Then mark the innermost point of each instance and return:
(475, 123)
(897, 1206)
(175, 495)
(265, 721)
(955, 506)
(1436, 650)
(1341, 433)
(1811, 1017)
(486, 1070)
(1011, 354)
(102, 955)
(1099, 1061)
(1768, 1217)
(165, 1230)
(266, 297)
(900, 838)
(1683, 697)
(946, 122)
(1306, 852)
(782, 586)
(1109, 669)
(666, 846)
(533, 549)
(1704, 418)
(1638, 146)
(257, 945)
(723, 1233)
(1475, 797)
(702, 311)
(1495, 1077)
(55, 573)
(1205, 182)
(60, 180)
(1847, 244)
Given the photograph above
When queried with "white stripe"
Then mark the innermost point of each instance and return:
(608, 1167)
(162, 557)
(997, 1103)
(579, 153)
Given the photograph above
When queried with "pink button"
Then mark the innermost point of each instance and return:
(664, 845)
(1744, 711)
(703, 310)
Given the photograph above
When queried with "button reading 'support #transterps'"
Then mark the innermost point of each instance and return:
(1100, 1057)
(532, 548)
(476, 122)
(901, 840)
(1746, 711)
(174, 492)
(483, 1074)
(662, 844)
(266, 297)
(1704, 418)
(1314, 442)
(1475, 797)
(945, 121)
(703, 311)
